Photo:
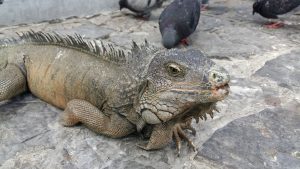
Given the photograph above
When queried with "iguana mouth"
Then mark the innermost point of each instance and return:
(221, 91)
(223, 86)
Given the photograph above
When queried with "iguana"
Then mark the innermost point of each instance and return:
(111, 91)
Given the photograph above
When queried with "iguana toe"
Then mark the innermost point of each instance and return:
(143, 145)
(188, 125)
(179, 134)
(68, 118)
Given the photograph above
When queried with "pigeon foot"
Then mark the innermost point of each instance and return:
(274, 25)
(184, 42)
(204, 7)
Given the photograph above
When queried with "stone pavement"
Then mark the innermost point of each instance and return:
(13, 12)
(259, 123)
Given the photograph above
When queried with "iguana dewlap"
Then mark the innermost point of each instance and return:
(111, 91)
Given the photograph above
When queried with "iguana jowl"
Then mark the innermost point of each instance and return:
(110, 91)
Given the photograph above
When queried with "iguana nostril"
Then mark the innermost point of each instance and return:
(219, 75)
(214, 75)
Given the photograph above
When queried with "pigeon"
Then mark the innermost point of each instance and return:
(178, 20)
(271, 8)
(1, 2)
(142, 8)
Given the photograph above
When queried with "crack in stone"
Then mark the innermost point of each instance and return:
(34, 136)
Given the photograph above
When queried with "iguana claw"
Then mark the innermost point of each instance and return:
(143, 145)
(179, 134)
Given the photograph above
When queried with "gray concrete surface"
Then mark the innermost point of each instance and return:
(258, 126)
(13, 12)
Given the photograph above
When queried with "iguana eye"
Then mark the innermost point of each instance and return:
(174, 70)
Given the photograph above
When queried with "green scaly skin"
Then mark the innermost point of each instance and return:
(112, 92)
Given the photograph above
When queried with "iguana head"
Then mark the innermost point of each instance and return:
(177, 82)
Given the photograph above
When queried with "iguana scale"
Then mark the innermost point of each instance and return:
(111, 91)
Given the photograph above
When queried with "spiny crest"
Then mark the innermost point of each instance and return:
(96, 48)
(141, 57)
(138, 52)
(8, 41)
(106, 52)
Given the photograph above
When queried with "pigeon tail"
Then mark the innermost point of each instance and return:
(170, 38)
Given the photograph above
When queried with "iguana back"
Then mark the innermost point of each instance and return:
(57, 73)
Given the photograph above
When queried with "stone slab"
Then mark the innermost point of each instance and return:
(268, 139)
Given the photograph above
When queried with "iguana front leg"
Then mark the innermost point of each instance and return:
(82, 111)
(162, 135)
(12, 81)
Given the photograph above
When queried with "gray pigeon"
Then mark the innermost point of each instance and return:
(142, 8)
(271, 8)
(178, 21)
